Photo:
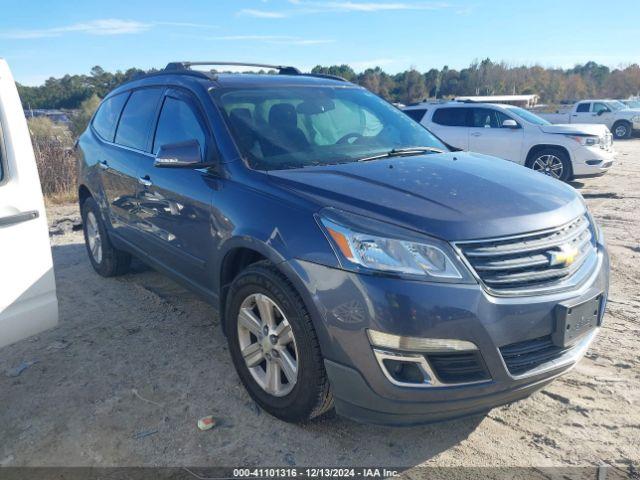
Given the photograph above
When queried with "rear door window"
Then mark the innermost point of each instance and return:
(137, 118)
(106, 118)
(583, 107)
(178, 122)
(417, 113)
(451, 117)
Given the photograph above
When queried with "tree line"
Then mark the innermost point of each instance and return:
(553, 85)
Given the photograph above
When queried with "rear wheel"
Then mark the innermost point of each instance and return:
(552, 162)
(105, 258)
(274, 346)
(622, 130)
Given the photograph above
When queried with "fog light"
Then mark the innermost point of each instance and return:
(418, 344)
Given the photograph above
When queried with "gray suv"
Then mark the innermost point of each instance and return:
(355, 261)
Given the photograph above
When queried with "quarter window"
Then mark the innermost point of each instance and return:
(417, 113)
(106, 118)
(178, 123)
(137, 118)
(583, 107)
(451, 117)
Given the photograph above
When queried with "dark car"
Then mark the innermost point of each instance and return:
(354, 260)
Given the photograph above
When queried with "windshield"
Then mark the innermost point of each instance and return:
(293, 127)
(527, 116)
(616, 105)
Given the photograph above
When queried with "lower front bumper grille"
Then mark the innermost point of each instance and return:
(452, 368)
(524, 356)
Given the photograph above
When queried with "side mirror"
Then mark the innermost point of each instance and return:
(509, 123)
(179, 155)
(600, 112)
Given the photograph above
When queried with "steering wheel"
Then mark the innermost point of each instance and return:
(345, 138)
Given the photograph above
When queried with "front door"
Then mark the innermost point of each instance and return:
(28, 301)
(488, 136)
(175, 204)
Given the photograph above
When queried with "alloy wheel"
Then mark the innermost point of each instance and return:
(549, 165)
(93, 237)
(621, 131)
(268, 345)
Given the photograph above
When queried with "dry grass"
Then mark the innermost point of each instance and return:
(53, 149)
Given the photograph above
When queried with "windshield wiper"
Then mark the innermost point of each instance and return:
(402, 152)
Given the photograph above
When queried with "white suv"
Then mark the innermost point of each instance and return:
(515, 134)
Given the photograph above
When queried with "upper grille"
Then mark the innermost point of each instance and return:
(524, 262)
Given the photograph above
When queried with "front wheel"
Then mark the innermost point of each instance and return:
(551, 162)
(622, 130)
(274, 346)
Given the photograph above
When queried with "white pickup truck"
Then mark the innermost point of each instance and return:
(617, 116)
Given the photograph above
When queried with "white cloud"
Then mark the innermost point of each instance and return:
(261, 13)
(108, 26)
(272, 39)
(103, 27)
(302, 7)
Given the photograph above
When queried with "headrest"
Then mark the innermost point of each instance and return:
(283, 115)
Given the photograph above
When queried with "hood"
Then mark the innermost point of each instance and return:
(576, 129)
(452, 196)
(628, 112)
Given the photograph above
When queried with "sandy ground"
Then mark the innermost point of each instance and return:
(136, 360)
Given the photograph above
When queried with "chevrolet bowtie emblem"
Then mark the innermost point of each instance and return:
(565, 256)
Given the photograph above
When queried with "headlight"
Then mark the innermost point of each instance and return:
(376, 246)
(587, 141)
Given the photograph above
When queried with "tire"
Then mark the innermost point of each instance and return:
(540, 161)
(622, 130)
(104, 257)
(309, 394)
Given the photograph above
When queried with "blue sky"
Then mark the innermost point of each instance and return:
(43, 38)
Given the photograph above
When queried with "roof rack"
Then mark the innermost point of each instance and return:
(282, 69)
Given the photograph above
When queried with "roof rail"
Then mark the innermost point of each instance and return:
(282, 69)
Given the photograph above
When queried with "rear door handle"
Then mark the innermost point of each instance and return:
(103, 164)
(18, 218)
(145, 181)
(476, 134)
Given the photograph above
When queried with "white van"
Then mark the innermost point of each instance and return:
(28, 302)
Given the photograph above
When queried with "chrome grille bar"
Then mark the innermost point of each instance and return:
(526, 262)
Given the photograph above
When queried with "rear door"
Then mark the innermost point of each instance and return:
(28, 302)
(582, 114)
(487, 135)
(450, 124)
(175, 203)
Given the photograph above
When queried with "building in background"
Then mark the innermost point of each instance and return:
(524, 101)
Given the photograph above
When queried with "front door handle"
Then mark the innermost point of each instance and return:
(476, 134)
(18, 218)
(103, 164)
(145, 181)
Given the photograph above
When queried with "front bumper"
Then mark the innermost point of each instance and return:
(344, 305)
(592, 161)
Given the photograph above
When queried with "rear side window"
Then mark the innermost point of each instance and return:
(137, 118)
(451, 117)
(106, 118)
(583, 107)
(178, 122)
(417, 114)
